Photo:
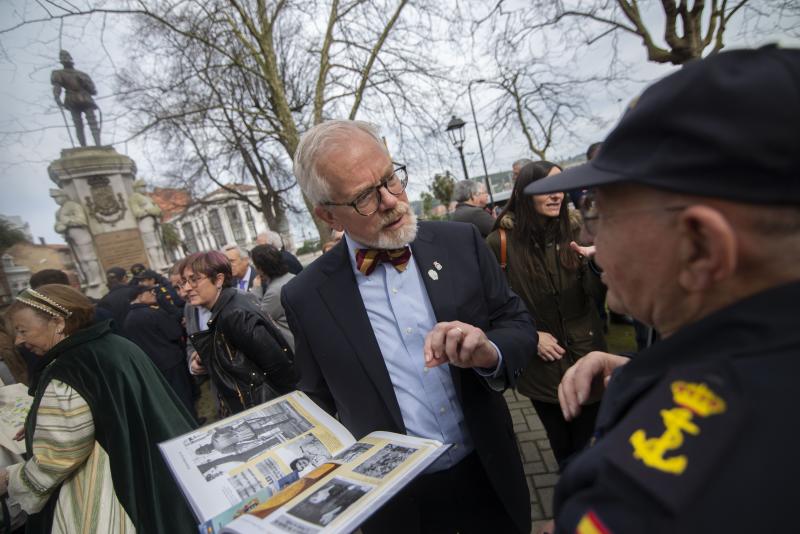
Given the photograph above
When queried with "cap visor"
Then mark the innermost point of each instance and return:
(584, 176)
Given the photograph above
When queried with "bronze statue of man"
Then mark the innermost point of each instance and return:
(78, 90)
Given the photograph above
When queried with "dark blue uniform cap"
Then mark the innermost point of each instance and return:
(116, 272)
(725, 127)
(145, 274)
(135, 291)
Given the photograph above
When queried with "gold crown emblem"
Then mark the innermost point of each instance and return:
(698, 398)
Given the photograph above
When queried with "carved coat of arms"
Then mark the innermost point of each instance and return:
(103, 205)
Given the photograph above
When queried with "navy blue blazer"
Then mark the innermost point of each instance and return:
(343, 371)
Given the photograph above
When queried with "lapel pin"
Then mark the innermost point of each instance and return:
(433, 274)
(437, 265)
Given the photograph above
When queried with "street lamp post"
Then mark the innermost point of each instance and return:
(455, 131)
(480, 145)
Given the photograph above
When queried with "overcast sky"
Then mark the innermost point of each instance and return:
(32, 131)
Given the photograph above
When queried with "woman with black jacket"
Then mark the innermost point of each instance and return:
(247, 358)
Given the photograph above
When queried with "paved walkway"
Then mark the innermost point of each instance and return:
(539, 464)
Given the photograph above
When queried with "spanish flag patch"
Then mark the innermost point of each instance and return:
(591, 524)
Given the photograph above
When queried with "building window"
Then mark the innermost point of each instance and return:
(250, 222)
(217, 231)
(189, 239)
(236, 224)
(202, 233)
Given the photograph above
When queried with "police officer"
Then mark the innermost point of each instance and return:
(696, 218)
(167, 296)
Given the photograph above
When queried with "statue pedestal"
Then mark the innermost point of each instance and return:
(100, 180)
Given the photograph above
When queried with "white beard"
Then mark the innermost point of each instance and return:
(400, 237)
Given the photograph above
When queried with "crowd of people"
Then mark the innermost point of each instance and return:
(686, 218)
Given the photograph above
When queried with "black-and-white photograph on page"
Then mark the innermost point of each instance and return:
(330, 500)
(227, 446)
(384, 461)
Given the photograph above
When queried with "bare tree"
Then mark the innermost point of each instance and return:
(540, 77)
(670, 31)
(536, 91)
(688, 32)
(226, 87)
(539, 103)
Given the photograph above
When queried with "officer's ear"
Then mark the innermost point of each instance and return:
(707, 250)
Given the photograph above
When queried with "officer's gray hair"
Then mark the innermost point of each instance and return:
(466, 189)
(243, 252)
(317, 142)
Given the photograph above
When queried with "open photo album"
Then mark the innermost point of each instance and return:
(288, 466)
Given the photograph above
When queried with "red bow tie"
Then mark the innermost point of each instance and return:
(369, 258)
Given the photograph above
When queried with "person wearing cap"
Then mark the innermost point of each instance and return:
(166, 295)
(137, 269)
(160, 335)
(117, 300)
(697, 227)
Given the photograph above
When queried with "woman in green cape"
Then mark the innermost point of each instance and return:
(100, 409)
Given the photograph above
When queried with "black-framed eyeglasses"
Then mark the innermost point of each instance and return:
(591, 215)
(367, 202)
(193, 280)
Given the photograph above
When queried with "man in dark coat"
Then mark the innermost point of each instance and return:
(419, 340)
(244, 274)
(274, 238)
(471, 198)
(697, 227)
(160, 336)
(118, 299)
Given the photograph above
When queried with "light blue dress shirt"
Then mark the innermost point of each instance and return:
(401, 315)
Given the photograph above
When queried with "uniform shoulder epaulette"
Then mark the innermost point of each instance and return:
(672, 440)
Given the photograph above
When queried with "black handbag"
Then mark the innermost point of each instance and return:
(232, 371)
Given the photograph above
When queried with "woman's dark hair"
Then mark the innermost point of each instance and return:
(269, 261)
(531, 228)
(211, 264)
(48, 276)
(57, 298)
(293, 464)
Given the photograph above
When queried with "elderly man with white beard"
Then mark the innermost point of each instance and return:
(410, 327)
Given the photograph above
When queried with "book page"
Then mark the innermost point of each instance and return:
(242, 460)
(14, 406)
(340, 495)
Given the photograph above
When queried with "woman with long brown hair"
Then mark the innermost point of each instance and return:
(100, 408)
(558, 287)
